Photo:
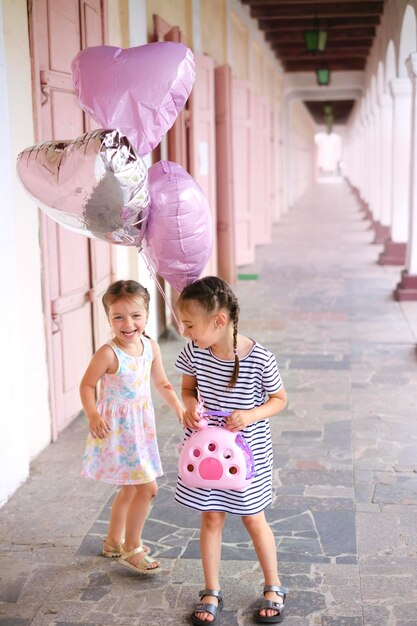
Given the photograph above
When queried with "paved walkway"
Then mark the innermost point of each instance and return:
(345, 488)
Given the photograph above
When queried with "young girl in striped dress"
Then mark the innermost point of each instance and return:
(233, 373)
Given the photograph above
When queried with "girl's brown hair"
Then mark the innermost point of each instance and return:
(212, 294)
(125, 290)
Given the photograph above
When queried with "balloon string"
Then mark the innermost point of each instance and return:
(161, 291)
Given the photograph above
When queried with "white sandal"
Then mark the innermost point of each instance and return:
(142, 567)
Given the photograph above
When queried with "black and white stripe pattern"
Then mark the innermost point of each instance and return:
(258, 377)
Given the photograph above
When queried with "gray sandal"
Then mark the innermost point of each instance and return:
(279, 607)
(207, 607)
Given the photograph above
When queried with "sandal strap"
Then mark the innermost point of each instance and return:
(282, 592)
(206, 607)
(210, 592)
(128, 555)
(148, 559)
(111, 546)
(270, 604)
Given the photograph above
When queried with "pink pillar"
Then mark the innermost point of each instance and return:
(407, 287)
(395, 246)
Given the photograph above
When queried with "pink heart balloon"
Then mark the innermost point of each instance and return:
(178, 235)
(139, 91)
(95, 185)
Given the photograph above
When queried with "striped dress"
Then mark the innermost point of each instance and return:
(258, 377)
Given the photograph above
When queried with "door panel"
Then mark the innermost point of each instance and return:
(57, 29)
(261, 196)
(62, 32)
(242, 170)
(226, 253)
(202, 141)
(101, 254)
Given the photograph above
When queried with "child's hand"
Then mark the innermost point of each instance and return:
(180, 415)
(238, 420)
(99, 428)
(191, 418)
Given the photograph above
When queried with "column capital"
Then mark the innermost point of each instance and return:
(401, 87)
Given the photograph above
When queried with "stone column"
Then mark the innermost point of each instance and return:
(407, 287)
(365, 188)
(384, 179)
(362, 157)
(374, 171)
(395, 246)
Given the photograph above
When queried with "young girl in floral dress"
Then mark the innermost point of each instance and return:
(122, 448)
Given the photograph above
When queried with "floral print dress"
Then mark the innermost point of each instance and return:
(129, 455)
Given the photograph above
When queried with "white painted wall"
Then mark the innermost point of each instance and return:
(301, 130)
(24, 416)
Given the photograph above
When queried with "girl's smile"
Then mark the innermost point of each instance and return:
(128, 319)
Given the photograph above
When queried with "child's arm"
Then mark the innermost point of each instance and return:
(239, 419)
(162, 384)
(103, 360)
(190, 399)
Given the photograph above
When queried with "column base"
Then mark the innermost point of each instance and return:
(407, 287)
(381, 232)
(393, 253)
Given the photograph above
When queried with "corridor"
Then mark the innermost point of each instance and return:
(345, 486)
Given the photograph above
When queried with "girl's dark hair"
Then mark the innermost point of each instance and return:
(212, 294)
(125, 290)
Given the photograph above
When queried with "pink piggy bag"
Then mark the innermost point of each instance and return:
(216, 458)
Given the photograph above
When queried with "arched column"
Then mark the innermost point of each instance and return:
(395, 246)
(384, 178)
(361, 173)
(367, 152)
(407, 287)
(374, 172)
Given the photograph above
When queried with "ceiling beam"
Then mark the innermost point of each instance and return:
(326, 58)
(340, 10)
(305, 24)
(332, 46)
(336, 66)
(334, 35)
(298, 2)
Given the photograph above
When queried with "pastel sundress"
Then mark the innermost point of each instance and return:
(129, 455)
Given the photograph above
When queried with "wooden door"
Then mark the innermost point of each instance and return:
(74, 267)
(242, 124)
(226, 253)
(101, 254)
(202, 138)
(261, 171)
(177, 152)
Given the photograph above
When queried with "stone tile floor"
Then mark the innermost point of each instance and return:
(345, 488)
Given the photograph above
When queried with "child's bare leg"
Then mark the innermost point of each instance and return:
(266, 551)
(121, 503)
(136, 516)
(212, 523)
